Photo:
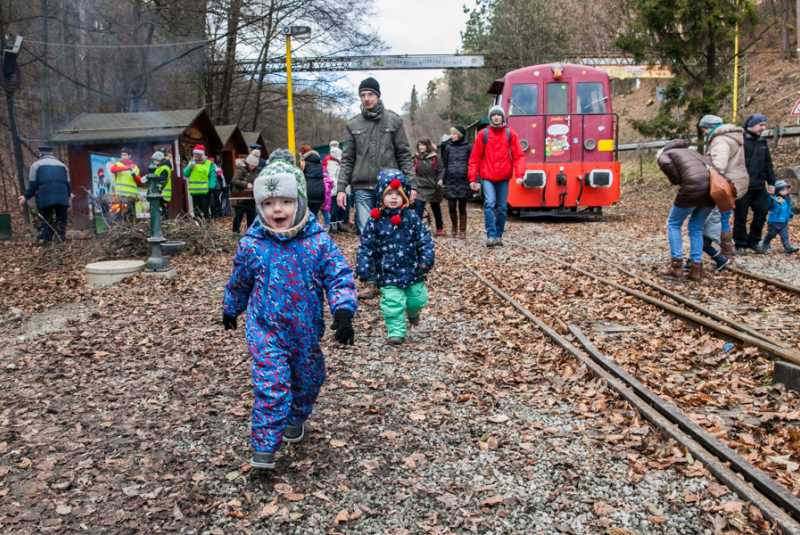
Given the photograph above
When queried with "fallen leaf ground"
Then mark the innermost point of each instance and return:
(126, 409)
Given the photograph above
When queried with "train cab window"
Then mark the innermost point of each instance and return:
(591, 98)
(557, 98)
(524, 99)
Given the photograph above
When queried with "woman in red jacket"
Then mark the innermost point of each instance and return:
(496, 157)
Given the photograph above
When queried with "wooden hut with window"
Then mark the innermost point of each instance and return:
(93, 140)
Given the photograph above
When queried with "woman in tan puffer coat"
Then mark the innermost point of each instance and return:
(725, 149)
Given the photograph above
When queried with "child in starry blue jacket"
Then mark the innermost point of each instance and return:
(780, 212)
(284, 263)
(398, 245)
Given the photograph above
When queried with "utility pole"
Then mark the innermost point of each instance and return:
(11, 86)
(298, 32)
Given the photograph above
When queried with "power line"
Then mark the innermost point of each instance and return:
(121, 46)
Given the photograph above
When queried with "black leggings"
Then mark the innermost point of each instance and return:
(436, 208)
(462, 206)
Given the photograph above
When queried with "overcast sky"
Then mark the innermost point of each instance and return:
(413, 27)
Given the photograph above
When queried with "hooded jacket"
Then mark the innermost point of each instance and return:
(373, 144)
(725, 148)
(455, 171)
(493, 162)
(427, 169)
(780, 209)
(758, 161)
(398, 250)
(280, 282)
(312, 169)
(687, 170)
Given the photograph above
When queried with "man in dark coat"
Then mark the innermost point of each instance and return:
(759, 167)
(49, 181)
(375, 139)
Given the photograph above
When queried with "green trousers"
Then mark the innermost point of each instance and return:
(397, 303)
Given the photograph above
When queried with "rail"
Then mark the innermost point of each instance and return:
(782, 131)
(767, 495)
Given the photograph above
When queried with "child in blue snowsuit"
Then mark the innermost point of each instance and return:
(397, 244)
(780, 212)
(283, 264)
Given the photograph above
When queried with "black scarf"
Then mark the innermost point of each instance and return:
(374, 113)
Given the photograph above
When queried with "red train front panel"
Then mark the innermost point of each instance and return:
(568, 132)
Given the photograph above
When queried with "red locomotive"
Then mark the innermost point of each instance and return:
(563, 116)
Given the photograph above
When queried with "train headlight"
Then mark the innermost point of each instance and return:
(534, 179)
(589, 144)
(600, 178)
(524, 145)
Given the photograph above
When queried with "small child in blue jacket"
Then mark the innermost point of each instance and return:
(284, 263)
(397, 244)
(780, 212)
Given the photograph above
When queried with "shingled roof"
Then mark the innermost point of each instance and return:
(231, 131)
(98, 128)
(253, 137)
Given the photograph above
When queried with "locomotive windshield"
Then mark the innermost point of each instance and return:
(557, 98)
(524, 99)
(591, 98)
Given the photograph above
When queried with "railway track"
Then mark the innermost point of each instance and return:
(725, 327)
(773, 499)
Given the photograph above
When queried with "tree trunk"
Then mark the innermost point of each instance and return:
(229, 62)
(46, 111)
(787, 54)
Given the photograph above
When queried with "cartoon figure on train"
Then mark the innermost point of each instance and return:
(556, 142)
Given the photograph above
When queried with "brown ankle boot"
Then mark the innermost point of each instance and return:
(696, 271)
(462, 226)
(675, 269)
(454, 221)
(726, 244)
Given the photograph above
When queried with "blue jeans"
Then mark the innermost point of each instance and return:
(364, 200)
(338, 215)
(697, 218)
(495, 198)
(327, 217)
(726, 221)
(777, 229)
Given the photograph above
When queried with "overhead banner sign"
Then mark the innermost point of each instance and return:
(369, 63)
(622, 72)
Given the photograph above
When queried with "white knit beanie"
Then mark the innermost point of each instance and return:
(281, 179)
(252, 158)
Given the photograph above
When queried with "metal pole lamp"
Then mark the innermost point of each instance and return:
(298, 32)
(158, 264)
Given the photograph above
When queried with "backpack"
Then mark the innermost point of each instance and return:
(435, 170)
(508, 137)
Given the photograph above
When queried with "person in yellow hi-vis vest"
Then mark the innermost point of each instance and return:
(202, 174)
(164, 170)
(125, 176)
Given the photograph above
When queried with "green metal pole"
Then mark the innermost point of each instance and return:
(157, 260)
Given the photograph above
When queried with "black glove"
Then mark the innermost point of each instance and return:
(343, 325)
(229, 322)
(425, 268)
